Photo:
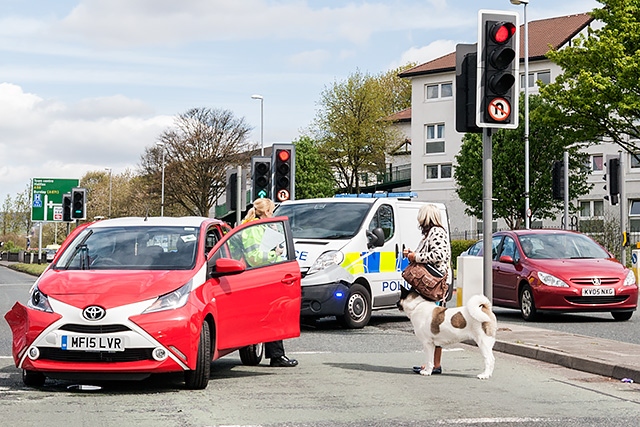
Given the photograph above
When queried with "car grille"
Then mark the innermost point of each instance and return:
(588, 281)
(597, 300)
(94, 329)
(129, 355)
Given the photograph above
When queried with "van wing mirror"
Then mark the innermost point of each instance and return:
(376, 238)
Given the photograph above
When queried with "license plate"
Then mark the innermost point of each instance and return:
(597, 292)
(92, 342)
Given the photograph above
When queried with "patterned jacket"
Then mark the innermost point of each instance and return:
(434, 249)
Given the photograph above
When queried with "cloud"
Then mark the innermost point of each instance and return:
(45, 138)
(420, 55)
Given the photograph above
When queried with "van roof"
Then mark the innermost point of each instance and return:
(363, 200)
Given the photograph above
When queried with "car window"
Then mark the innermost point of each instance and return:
(256, 246)
(508, 247)
(383, 219)
(495, 244)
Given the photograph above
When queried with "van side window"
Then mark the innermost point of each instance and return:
(384, 219)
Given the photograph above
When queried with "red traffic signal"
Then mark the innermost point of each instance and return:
(501, 32)
(283, 172)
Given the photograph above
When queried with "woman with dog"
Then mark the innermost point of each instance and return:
(433, 249)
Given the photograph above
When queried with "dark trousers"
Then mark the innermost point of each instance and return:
(274, 349)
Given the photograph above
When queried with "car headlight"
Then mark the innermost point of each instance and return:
(325, 260)
(39, 301)
(172, 300)
(550, 280)
(630, 280)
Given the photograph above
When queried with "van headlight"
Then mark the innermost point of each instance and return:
(172, 300)
(325, 260)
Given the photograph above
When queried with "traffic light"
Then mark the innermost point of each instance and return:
(232, 190)
(612, 176)
(498, 70)
(78, 203)
(260, 177)
(66, 207)
(283, 172)
(557, 180)
(466, 66)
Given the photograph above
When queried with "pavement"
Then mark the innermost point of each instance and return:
(598, 356)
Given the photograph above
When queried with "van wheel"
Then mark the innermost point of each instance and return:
(357, 311)
(527, 304)
(198, 378)
(251, 355)
(33, 378)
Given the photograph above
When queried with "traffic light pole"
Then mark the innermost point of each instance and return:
(623, 210)
(239, 202)
(487, 212)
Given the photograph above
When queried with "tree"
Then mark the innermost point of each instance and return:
(314, 177)
(349, 125)
(199, 148)
(546, 146)
(597, 94)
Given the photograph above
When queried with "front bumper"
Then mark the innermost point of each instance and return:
(325, 293)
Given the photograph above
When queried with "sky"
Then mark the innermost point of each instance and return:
(86, 85)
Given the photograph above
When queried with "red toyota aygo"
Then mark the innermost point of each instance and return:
(129, 297)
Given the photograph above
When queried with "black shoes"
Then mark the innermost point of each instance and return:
(283, 362)
(435, 371)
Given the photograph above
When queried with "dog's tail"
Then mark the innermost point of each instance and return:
(479, 308)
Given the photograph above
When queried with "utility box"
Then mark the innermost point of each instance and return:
(470, 278)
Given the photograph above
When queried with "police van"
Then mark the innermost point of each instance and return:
(350, 252)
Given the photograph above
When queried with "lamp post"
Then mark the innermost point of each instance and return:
(527, 209)
(261, 98)
(109, 169)
(161, 145)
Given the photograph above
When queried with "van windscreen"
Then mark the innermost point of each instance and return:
(332, 220)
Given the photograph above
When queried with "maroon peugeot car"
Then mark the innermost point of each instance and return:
(559, 270)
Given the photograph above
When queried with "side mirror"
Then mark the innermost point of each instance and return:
(376, 238)
(226, 266)
(507, 258)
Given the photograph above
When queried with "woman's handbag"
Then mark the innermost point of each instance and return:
(427, 280)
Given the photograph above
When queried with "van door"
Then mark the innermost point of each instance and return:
(381, 266)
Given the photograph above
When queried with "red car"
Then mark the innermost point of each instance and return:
(558, 270)
(129, 297)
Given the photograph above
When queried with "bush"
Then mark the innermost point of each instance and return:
(33, 269)
(457, 247)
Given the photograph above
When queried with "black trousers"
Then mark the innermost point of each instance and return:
(274, 349)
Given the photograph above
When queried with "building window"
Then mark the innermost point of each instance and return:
(543, 76)
(440, 90)
(635, 160)
(591, 209)
(597, 163)
(634, 215)
(434, 138)
(442, 171)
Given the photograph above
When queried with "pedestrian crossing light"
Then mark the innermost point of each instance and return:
(498, 70)
(79, 203)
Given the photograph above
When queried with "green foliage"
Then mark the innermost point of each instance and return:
(545, 146)
(457, 247)
(314, 177)
(33, 269)
(597, 94)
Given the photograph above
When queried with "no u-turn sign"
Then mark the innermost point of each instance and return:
(499, 109)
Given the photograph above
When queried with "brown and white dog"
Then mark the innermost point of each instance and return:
(440, 326)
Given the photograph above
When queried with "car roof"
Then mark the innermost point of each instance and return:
(538, 231)
(185, 221)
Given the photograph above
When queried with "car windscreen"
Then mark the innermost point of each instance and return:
(131, 248)
(561, 246)
(327, 220)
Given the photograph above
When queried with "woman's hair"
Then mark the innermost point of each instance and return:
(429, 216)
(260, 208)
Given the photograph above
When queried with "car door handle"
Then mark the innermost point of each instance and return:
(288, 279)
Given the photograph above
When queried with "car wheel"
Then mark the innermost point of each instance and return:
(527, 304)
(198, 378)
(33, 378)
(251, 355)
(622, 315)
(357, 311)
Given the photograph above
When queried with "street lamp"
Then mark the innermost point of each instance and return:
(261, 122)
(527, 209)
(109, 169)
(161, 145)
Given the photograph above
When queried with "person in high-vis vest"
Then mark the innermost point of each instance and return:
(256, 256)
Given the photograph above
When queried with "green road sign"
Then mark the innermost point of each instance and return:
(46, 197)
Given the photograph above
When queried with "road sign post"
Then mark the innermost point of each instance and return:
(47, 198)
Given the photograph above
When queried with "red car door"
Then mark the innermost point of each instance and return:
(505, 272)
(261, 303)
